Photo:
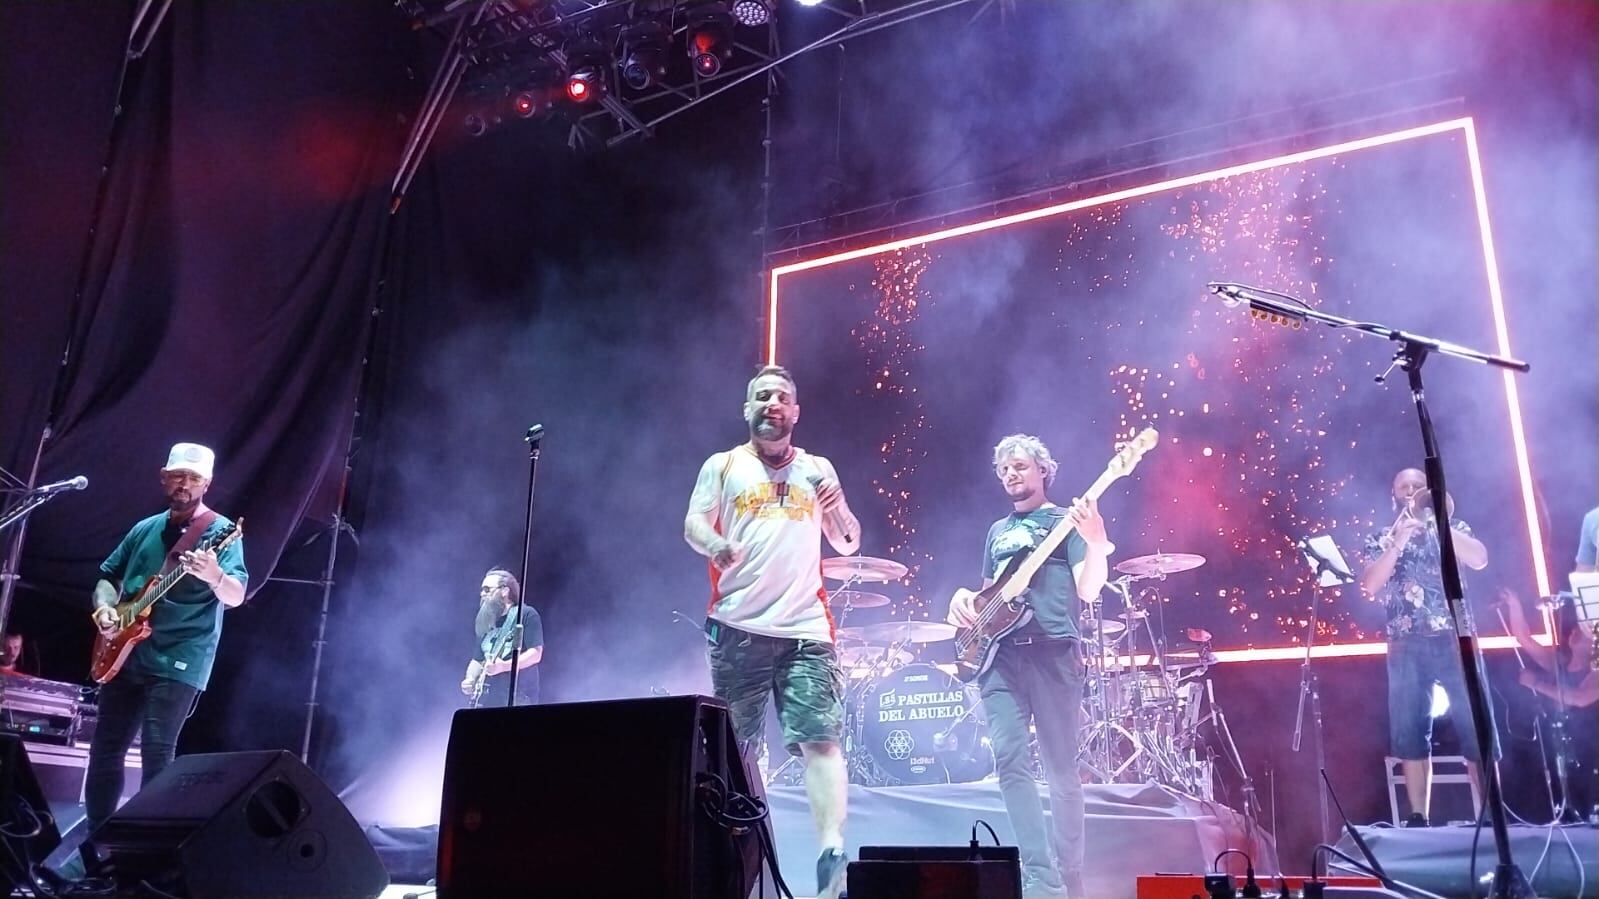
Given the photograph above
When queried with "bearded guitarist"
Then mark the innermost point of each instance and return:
(160, 683)
(1038, 670)
(488, 675)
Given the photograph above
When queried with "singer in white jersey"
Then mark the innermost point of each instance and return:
(759, 512)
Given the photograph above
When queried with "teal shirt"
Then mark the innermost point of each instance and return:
(186, 624)
(1053, 593)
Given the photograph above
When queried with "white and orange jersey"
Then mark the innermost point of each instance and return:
(776, 590)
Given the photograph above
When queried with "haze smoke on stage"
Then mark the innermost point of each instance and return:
(635, 361)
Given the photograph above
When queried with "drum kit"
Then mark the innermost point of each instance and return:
(909, 721)
(1143, 702)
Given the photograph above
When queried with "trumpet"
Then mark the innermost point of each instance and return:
(1419, 506)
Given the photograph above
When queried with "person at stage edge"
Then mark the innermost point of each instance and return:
(1403, 570)
(1038, 671)
(160, 684)
(496, 634)
(11, 655)
(757, 513)
(1588, 542)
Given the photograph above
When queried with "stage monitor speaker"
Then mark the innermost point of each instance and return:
(936, 872)
(596, 799)
(27, 827)
(241, 825)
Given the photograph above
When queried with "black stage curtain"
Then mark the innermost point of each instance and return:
(230, 268)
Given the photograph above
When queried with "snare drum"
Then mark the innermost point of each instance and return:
(1140, 690)
(918, 725)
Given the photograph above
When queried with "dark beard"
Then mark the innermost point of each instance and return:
(762, 429)
(488, 615)
(183, 508)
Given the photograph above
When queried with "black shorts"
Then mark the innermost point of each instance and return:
(803, 674)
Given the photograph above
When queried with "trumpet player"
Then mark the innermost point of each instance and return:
(1403, 571)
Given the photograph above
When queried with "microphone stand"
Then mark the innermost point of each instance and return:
(532, 438)
(1414, 349)
(1309, 686)
(25, 506)
(1558, 720)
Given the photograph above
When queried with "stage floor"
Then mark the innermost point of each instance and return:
(1438, 859)
(1132, 829)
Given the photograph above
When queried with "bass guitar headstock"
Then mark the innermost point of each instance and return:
(1128, 454)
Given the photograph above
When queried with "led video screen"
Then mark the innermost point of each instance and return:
(1084, 322)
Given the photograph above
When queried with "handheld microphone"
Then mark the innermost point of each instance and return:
(78, 483)
(833, 518)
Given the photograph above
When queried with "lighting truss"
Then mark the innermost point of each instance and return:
(487, 42)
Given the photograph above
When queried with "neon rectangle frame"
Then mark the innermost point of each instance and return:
(1467, 128)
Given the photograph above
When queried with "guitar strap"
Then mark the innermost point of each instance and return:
(191, 537)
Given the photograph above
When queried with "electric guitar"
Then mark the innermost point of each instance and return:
(111, 650)
(999, 607)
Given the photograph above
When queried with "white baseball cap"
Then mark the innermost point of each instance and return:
(191, 457)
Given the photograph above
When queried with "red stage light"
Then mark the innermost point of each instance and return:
(577, 89)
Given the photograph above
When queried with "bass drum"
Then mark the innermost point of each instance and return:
(918, 725)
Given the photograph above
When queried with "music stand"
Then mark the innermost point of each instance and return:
(1585, 595)
(1328, 569)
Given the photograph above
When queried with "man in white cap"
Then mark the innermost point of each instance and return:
(159, 684)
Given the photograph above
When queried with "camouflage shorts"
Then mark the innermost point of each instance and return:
(802, 674)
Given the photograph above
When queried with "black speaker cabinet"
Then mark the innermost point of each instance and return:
(594, 799)
(241, 825)
(26, 825)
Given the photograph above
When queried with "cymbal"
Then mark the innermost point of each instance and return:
(856, 599)
(862, 568)
(1159, 564)
(1197, 635)
(866, 655)
(1091, 627)
(887, 632)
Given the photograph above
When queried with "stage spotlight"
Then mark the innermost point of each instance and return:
(586, 62)
(753, 12)
(810, 2)
(528, 103)
(475, 124)
(710, 38)
(537, 91)
(644, 55)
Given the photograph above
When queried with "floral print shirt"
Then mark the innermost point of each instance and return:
(1414, 595)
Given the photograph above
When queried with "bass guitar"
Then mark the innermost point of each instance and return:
(1000, 607)
(111, 649)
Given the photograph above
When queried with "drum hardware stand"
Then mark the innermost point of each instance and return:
(1322, 569)
(1103, 725)
(1509, 882)
(1247, 784)
(772, 777)
(1558, 737)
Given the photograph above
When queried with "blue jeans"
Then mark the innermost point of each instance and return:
(132, 701)
(1041, 682)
